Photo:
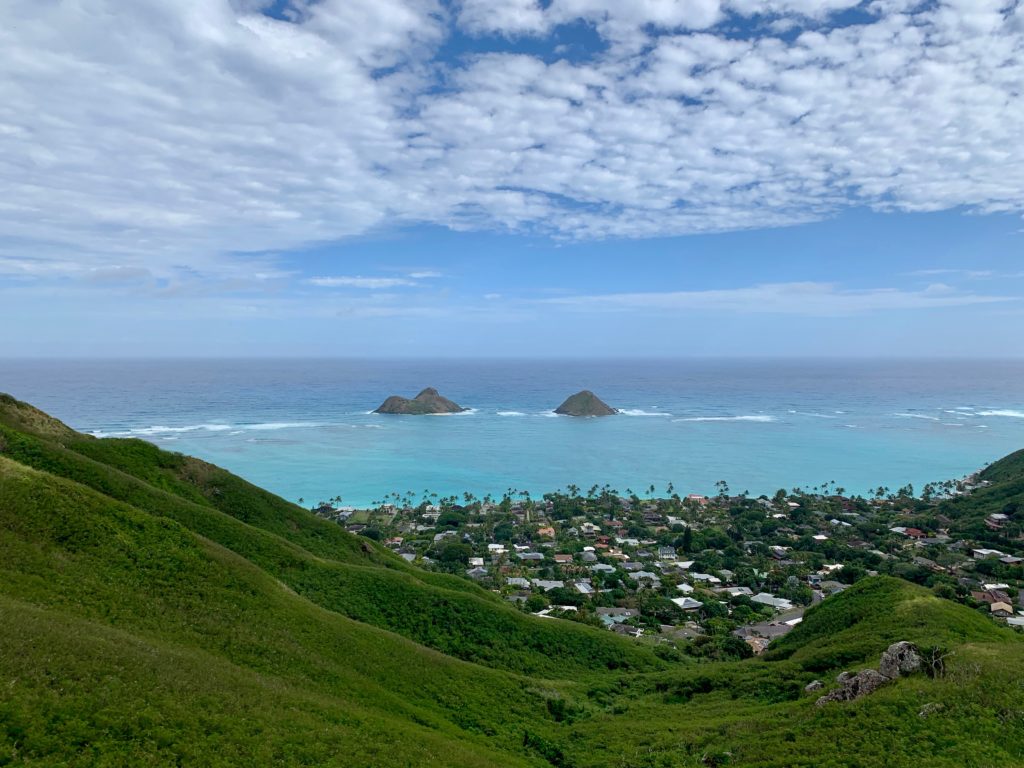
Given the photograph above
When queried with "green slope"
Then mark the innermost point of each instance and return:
(875, 613)
(1003, 492)
(79, 573)
(156, 610)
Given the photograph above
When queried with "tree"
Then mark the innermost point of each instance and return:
(687, 540)
(454, 554)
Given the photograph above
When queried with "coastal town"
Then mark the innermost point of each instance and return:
(715, 577)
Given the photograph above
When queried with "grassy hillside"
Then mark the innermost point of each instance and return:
(1004, 492)
(873, 614)
(158, 611)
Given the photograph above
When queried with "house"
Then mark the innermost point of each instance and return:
(476, 562)
(996, 520)
(924, 562)
(832, 587)
(737, 591)
(687, 603)
(496, 549)
(548, 584)
(626, 630)
(611, 616)
(778, 603)
(765, 630)
(563, 559)
(516, 581)
(666, 553)
(647, 578)
(588, 557)
(981, 554)
(546, 532)
(477, 573)
(602, 568)
(991, 596)
(684, 588)
(1001, 609)
(687, 631)
(584, 588)
(757, 644)
(707, 577)
(531, 556)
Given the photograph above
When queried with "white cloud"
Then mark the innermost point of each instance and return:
(360, 282)
(172, 136)
(813, 299)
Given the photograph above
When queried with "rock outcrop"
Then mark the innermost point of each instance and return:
(585, 403)
(899, 659)
(428, 401)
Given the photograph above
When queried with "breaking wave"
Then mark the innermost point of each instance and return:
(761, 419)
(641, 412)
(235, 429)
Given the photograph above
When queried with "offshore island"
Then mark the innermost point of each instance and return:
(585, 404)
(426, 403)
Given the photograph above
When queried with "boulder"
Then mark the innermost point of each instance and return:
(814, 685)
(585, 403)
(855, 686)
(900, 659)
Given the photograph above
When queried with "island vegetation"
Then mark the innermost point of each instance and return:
(427, 402)
(583, 404)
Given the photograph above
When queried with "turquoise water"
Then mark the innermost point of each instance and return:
(305, 428)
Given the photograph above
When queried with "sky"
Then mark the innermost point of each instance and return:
(549, 178)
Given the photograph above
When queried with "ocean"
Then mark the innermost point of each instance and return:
(305, 428)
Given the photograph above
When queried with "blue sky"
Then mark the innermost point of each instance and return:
(516, 178)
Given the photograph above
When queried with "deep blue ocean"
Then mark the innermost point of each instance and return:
(304, 428)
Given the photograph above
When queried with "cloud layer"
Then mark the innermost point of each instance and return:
(159, 137)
